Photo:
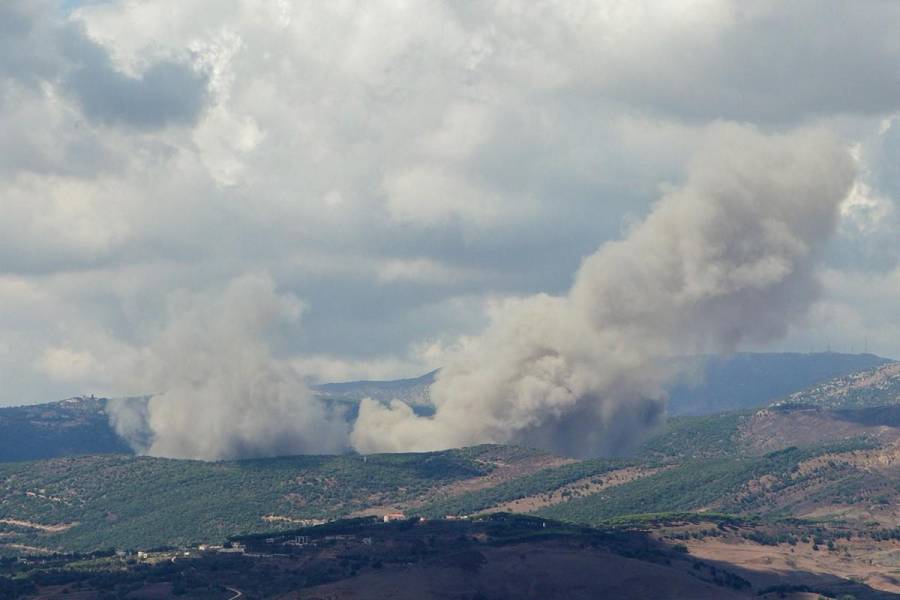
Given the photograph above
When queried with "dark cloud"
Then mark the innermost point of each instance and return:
(27, 44)
(38, 45)
(165, 93)
(395, 167)
(762, 62)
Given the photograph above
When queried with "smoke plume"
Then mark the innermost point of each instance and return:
(727, 258)
(222, 394)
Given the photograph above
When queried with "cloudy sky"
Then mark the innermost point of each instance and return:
(390, 171)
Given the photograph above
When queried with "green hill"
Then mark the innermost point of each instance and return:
(91, 502)
(768, 463)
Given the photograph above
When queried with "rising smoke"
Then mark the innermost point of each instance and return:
(223, 394)
(727, 258)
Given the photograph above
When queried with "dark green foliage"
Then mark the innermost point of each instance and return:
(696, 437)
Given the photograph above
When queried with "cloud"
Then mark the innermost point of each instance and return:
(165, 93)
(64, 363)
(397, 166)
(765, 62)
(725, 259)
(42, 47)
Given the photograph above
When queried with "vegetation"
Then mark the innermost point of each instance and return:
(698, 485)
(140, 502)
(542, 482)
(276, 563)
(872, 388)
(693, 463)
(697, 437)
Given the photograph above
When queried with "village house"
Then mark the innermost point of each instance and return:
(394, 516)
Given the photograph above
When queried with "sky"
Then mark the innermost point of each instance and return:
(387, 174)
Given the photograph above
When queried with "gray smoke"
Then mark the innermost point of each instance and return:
(223, 395)
(727, 258)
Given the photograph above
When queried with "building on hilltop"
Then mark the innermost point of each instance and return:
(395, 516)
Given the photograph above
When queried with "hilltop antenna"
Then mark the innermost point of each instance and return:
(867, 344)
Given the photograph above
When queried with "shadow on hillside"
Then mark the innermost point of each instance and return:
(872, 417)
(774, 582)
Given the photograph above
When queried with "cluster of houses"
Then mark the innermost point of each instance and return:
(231, 548)
(305, 541)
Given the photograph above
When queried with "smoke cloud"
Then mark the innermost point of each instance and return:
(223, 395)
(725, 259)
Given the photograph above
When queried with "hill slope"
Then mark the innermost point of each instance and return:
(750, 380)
(869, 388)
(66, 428)
(91, 502)
(768, 463)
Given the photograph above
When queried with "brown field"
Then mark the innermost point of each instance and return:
(526, 571)
(873, 563)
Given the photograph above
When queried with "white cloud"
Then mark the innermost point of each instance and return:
(391, 164)
(431, 196)
(68, 365)
(864, 211)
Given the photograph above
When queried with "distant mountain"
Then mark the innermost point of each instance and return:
(412, 391)
(79, 426)
(65, 428)
(871, 388)
(749, 380)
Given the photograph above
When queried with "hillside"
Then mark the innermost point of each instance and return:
(797, 459)
(748, 380)
(413, 391)
(869, 388)
(67, 428)
(498, 557)
(86, 503)
(770, 463)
